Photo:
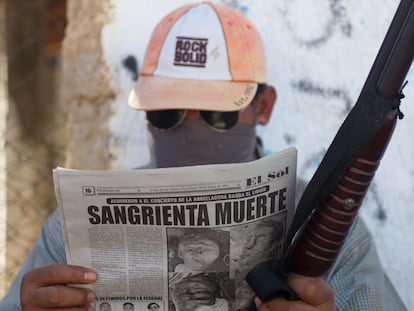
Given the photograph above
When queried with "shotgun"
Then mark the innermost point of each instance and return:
(331, 200)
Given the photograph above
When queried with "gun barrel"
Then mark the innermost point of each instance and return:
(399, 60)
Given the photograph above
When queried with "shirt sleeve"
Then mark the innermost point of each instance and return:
(358, 278)
(48, 249)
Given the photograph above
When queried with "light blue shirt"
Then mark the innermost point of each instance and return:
(357, 278)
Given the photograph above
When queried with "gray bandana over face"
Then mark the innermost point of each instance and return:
(194, 143)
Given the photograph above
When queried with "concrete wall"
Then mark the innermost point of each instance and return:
(86, 89)
(319, 54)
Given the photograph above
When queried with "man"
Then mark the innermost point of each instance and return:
(197, 292)
(153, 306)
(200, 251)
(262, 240)
(128, 306)
(104, 306)
(203, 87)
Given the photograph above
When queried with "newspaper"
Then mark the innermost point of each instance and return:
(176, 238)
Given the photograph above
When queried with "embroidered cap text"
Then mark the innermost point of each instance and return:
(191, 52)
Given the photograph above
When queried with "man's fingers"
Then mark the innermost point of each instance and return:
(46, 288)
(60, 296)
(60, 274)
(260, 305)
(312, 290)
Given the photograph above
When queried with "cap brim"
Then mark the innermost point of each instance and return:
(158, 93)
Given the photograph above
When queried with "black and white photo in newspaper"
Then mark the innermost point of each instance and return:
(176, 238)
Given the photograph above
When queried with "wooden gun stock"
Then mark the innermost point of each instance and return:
(325, 233)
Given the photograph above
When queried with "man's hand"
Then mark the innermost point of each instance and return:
(46, 288)
(314, 293)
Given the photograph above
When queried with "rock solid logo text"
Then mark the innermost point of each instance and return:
(191, 52)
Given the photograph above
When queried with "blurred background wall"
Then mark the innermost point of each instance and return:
(32, 121)
(71, 64)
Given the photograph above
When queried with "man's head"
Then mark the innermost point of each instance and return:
(198, 252)
(194, 291)
(128, 306)
(199, 86)
(153, 306)
(261, 242)
(104, 306)
(244, 296)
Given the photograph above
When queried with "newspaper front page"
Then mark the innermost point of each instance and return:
(179, 239)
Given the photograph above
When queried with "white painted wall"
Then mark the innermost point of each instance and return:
(319, 54)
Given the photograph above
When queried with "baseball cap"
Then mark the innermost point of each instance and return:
(202, 56)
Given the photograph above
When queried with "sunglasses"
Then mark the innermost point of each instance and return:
(169, 119)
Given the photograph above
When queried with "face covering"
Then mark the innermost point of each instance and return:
(194, 143)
